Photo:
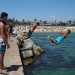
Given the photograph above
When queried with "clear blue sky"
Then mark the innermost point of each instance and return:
(41, 9)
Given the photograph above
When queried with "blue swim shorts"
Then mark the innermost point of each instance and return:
(59, 39)
(2, 46)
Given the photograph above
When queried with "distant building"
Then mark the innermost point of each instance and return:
(73, 22)
(55, 22)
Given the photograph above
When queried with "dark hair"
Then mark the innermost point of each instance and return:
(4, 14)
(69, 31)
(37, 23)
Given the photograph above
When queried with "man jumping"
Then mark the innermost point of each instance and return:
(60, 38)
(33, 27)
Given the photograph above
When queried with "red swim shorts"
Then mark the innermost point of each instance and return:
(8, 33)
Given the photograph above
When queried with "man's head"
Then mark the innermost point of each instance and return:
(4, 15)
(68, 31)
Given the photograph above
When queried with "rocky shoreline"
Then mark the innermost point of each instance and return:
(28, 49)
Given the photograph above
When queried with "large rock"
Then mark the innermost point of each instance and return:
(28, 44)
(27, 49)
(36, 52)
(28, 61)
(27, 53)
(38, 48)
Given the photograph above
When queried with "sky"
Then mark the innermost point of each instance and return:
(50, 10)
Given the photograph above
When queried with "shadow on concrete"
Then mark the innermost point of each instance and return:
(13, 68)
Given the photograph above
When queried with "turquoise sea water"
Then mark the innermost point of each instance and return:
(58, 59)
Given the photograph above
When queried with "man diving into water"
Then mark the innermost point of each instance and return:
(33, 27)
(60, 38)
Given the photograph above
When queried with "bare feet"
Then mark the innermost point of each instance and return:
(49, 37)
(4, 72)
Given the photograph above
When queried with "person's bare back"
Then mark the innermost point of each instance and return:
(4, 29)
(65, 34)
(0, 30)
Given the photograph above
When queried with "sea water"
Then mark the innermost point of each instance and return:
(58, 59)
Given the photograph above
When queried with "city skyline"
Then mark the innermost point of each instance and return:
(50, 10)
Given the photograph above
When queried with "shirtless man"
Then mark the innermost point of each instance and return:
(33, 27)
(60, 38)
(3, 41)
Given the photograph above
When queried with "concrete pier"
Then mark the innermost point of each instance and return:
(12, 59)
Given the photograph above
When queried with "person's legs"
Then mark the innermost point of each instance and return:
(31, 30)
(2, 67)
(1, 62)
(2, 52)
(34, 26)
(53, 40)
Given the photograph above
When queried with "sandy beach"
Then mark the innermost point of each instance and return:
(47, 28)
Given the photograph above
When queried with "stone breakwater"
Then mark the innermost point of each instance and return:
(28, 49)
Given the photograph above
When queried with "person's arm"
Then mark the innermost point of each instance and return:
(3, 34)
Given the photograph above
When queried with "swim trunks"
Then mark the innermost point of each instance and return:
(2, 46)
(8, 33)
(29, 33)
(59, 39)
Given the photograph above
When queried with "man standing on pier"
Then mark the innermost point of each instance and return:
(3, 41)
